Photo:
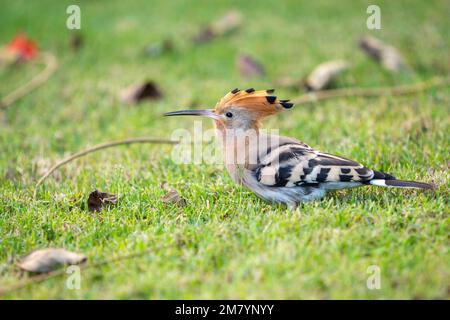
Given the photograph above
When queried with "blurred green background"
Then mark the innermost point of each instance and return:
(225, 243)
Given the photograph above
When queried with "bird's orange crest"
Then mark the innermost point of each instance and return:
(261, 102)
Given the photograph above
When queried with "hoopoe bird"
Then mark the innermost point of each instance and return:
(282, 169)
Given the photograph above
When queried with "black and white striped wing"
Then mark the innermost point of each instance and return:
(293, 165)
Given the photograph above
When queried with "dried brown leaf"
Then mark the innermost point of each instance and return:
(248, 67)
(98, 199)
(47, 260)
(205, 35)
(41, 166)
(383, 53)
(322, 76)
(139, 92)
(227, 23)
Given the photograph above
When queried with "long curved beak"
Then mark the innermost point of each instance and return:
(205, 113)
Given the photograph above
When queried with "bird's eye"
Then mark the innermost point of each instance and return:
(229, 115)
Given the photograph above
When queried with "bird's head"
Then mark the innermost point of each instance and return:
(241, 110)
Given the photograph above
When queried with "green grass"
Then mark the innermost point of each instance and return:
(226, 243)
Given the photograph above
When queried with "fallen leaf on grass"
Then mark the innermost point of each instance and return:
(76, 41)
(159, 48)
(46, 260)
(322, 76)
(205, 35)
(41, 166)
(230, 21)
(226, 24)
(22, 47)
(138, 92)
(248, 67)
(383, 53)
(98, 199)
(172, 197)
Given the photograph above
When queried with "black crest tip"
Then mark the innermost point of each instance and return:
(287, 105)
(271, 99)
(234, 91)
(285, 100)
(270, 90)
(250, 90)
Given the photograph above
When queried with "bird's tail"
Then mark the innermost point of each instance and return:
(385, 180)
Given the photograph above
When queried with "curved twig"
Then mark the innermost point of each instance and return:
(371, 92)
(51, 64)
(96, 148)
